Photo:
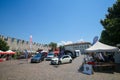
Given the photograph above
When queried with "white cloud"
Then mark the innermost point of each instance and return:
(64, 43)
(81, 40)
(59, 44)
(68, 42)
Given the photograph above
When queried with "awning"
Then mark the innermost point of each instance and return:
(9, 52)
(100, 47)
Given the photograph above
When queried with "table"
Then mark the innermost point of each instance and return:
(102, 66)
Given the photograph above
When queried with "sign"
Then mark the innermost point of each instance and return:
(87, 69)
(95, 39)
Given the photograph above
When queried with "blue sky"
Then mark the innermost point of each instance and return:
(53, 20)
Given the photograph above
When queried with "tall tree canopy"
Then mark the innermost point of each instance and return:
(53, 45)
(3, 45)
(61, 48)
(111, 24)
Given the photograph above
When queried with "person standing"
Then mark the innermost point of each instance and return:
(26, 55)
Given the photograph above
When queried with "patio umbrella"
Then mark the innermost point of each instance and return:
(1, 52)
(9, 52)
(1, 59)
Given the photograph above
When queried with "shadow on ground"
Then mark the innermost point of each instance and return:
(80, 69)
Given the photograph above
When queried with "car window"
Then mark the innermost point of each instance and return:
(66, 57)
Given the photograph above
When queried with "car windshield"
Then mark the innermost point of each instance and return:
(37, 55)
(51, 54)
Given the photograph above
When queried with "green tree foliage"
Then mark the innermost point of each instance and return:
(3, 45)
(61, 48)
(53, 45)
(111, 24)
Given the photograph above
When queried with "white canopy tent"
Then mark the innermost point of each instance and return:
(100, 47)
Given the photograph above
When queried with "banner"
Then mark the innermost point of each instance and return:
(30, 39)
(87, 69)
(95, 39)
(31, 43)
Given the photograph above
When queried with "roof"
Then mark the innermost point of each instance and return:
(80, 43)
(100, 47)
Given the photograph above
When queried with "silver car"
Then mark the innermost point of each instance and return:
(50, 56)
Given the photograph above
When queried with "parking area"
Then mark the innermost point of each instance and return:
(24, 70)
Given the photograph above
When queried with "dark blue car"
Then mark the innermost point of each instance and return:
(37, 58)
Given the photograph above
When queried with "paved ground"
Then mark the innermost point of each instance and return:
(23, 70)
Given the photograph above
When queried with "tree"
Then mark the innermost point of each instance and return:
(111, 24)
(53, 45)
(3, 45)
(61, 48)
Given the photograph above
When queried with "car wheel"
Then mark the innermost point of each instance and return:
(70, 61)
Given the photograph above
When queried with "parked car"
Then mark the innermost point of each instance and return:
(45, 54)
(63, 59)
(37, 58)
(50, 56)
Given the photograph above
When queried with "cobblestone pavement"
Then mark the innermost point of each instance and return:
(23, 70)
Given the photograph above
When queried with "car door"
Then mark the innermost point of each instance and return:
(64, 59)
(67, 59)
(42, 57)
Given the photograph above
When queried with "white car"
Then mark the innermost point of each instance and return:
(63, 59)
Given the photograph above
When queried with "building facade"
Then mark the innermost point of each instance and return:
(77, 46)
(21, 45)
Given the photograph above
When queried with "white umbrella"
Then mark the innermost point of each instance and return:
(10, 52)
(1, 51)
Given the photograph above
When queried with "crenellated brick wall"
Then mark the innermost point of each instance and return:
(21, 45)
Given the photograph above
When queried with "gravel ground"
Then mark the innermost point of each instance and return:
(23, 70)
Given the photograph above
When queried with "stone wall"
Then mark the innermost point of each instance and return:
(21, 45)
